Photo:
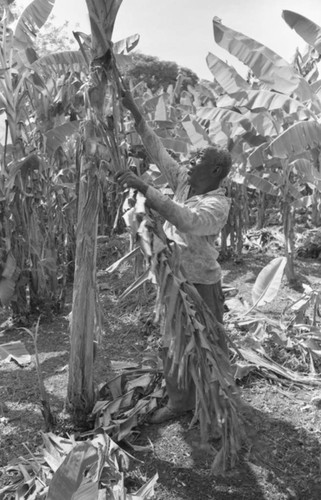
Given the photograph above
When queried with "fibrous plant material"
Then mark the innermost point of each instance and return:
(66, 468)
(194, 345)
(195, 350)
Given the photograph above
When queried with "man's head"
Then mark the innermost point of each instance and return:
(208, 167)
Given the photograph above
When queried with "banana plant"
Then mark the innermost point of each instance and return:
(101, 135)
(15, 52)
(307, 29)
(15, 55)
(280, 109)
(306, 63)
(272, 70)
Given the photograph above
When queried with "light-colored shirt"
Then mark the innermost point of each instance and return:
(192, 223)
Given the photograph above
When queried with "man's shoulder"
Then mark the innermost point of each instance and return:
(215, 200)
(217, 195)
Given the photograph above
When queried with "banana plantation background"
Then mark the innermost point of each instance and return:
(269, 122)
(65, 134)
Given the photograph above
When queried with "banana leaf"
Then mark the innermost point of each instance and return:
(316, 86)
(297, 139)
(235, 123)
(220, 120)
(218, 114)
(126, 44)
(60, 62)
(257, 157)
(264, 185)
(268, 282)
(270, 68)
(57, 136)
(303, 202)
(263, 123)
(305, 28)
(307, 172)
(31, 20)
(15, 351)
(195, 350)
(161, 113)
(256, 100)
(68, 479)
(228, 78)
(267, 365)
(196, 133)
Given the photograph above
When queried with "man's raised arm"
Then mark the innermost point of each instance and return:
(152, 143)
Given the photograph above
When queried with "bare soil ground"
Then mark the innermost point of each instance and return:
(280, 457)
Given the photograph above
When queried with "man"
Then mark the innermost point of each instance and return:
(194, 219)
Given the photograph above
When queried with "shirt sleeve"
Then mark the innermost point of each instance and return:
(158, 154)
(208, 218)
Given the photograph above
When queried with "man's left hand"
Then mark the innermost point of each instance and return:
(128, 179)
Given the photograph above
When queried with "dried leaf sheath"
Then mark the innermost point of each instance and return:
(195, 348)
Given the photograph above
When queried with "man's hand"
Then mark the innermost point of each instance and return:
(128, 179)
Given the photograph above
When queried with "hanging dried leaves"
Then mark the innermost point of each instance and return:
(194, 348)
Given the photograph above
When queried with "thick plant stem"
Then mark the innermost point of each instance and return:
(288, 227)
(80, 397)
(261, 210)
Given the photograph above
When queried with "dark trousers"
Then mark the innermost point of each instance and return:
(184, 399)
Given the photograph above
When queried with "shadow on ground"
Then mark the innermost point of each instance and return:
(277, 462)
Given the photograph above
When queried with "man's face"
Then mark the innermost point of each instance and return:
(201, 173)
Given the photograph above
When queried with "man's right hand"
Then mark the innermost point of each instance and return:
(127, 179)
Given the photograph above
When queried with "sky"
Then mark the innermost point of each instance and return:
(182, 30)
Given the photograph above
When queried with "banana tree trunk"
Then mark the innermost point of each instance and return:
(316, 215)
(239, 221)
(261, 206)
(288, 227)
(80, 398)
(80, 384)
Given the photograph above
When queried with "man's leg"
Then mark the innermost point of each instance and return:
(214, 298)
(179, 399)
(182, 400)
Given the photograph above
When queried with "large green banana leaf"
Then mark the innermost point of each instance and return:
(264, 99)
(268, 282)
(297, 139)
(316, 86)
(215, 114)
(308, 30)
(305, 169)
(271, 184)
(271, 69)
(31, 20)
(264, 185)
(196, 133)
(126, 44)
(219, 118)
(228, 78)
(258, 157)
(263, 123)
(59, 63)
